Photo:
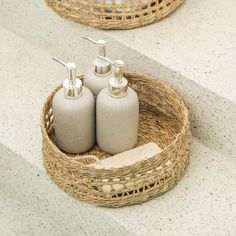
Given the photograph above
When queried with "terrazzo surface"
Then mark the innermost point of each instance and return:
(18, 220)
(28, 75)
(198, 40)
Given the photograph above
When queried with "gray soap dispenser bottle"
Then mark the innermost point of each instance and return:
(117, 112)
(74, 114)
(98, 77)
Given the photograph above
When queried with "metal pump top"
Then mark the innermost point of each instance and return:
(101, 67)
(72, 86)
(118, 85)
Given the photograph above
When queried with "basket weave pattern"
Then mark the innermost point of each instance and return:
(114, 14)
(163, 119)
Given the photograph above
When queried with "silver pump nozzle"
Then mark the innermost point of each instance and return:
(101, 67)
(72, 86)
(118, 85)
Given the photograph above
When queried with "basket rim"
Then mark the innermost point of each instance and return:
(76, 164)
(116, 24)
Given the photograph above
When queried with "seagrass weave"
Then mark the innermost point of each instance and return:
(114, 14)
(163, 119)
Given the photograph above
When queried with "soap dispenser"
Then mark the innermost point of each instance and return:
(74, 114)
(98, 77)
(117, 112)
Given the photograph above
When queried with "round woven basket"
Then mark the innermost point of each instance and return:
(163, 120)
(114, 14)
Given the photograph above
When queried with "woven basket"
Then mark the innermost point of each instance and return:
(163, 119)
(114, 14)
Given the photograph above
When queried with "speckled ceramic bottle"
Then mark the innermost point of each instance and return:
(98, 77)
(117, 114)
(74, 114)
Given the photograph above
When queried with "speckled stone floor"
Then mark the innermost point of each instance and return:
(17, 219)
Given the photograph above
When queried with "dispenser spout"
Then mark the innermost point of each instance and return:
(99, 66)
(118, 85)
(119, 64)
(100, 43)
(71, 68)
(72, 86)
(59, 61)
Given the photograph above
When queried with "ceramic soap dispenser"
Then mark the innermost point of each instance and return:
(117, 113)
(74, 113)
(97, 78)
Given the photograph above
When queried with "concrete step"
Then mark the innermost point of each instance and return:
(30, 186)
(17, 219)
(192, 50)
(203, 203)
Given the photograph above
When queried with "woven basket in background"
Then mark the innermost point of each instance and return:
(163, 120)
(114, 14)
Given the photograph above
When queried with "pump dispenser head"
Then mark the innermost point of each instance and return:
(101, 67)
(72, 86)
(118, 85)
